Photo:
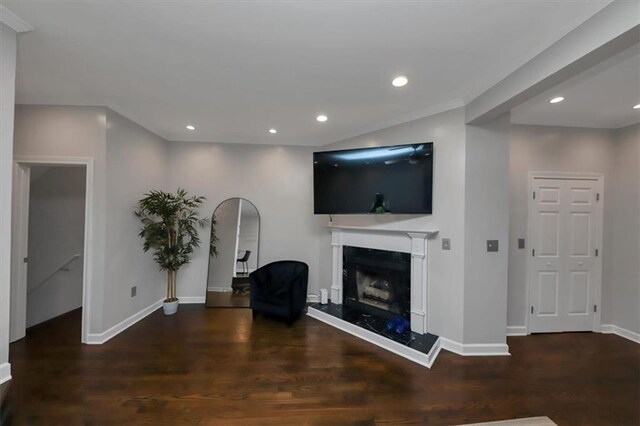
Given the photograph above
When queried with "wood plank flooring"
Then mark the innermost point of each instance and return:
(218, 366)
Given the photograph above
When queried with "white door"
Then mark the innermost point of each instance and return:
(564, 268)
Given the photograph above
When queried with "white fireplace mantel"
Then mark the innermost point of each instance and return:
(413, 242)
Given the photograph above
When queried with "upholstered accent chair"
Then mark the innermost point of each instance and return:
(280, 289)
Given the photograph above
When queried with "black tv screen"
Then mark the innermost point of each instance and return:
(390, 179)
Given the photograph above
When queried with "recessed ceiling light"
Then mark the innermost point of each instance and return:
(400, 81)
(322, 118)
(190, 127)
(273, 131)
(637, 106)
(556, 100)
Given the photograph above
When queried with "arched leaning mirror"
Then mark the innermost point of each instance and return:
(236, 229)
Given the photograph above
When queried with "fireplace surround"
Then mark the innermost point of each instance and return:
(410, 247)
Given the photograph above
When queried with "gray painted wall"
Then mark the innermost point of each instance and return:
(7, 96)
(137, 162)
(624, 278)
(74, 132)
(554, 149)
(276, 179)
(56, 235)
(446, 268)
(486, 218)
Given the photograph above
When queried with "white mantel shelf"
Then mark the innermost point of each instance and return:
(366, 229)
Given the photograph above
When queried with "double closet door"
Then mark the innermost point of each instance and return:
(564, 268)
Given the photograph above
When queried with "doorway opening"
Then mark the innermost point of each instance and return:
(50, 229)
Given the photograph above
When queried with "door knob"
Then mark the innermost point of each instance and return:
(580, 263)
(549, 264)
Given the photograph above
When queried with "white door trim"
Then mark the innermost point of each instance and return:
(599, 178)
(21, 167)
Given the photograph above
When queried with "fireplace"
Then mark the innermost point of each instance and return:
(377, 282)
(377, 276)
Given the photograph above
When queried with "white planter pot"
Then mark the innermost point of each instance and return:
(170, 308)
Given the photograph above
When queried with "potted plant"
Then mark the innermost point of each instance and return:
(170, 225)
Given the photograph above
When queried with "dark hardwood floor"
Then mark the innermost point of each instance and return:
(217, 366)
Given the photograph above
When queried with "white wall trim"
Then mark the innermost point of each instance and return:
(100, 338)
(475, 349)
(622, 332)
(313, 298)
(87, 274)
(5, 372)
(13, 21)
(188, 300)
(516, 330)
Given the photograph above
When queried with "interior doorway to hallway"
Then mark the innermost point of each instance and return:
(50, 226)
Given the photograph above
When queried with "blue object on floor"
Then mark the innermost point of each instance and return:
(398, 324)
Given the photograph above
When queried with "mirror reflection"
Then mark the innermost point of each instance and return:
(236, 226)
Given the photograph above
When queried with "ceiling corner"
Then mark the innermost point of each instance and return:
(13, 21)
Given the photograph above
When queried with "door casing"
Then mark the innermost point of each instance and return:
(20, 231)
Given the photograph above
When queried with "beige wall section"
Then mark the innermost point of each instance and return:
(56, 236)
(624, 277)
(137, 162)
(67, 131)
(446, 268)
(554, 149)
(276, 179)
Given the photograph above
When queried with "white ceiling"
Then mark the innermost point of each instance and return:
(600, 97)
(235, 69)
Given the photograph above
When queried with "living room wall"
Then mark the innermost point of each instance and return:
(277, 179)
(128, 161)
(624, 279)
(446, 268)
(615, 154)
(7, 96)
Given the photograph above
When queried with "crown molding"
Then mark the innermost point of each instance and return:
(13, 21)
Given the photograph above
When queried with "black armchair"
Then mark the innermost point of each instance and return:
(280, 288)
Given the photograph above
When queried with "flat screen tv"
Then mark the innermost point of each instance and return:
(390, 179)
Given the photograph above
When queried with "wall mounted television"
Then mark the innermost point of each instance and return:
(389, 179)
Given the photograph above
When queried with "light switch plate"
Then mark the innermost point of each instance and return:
(446, 244)
(492, 245)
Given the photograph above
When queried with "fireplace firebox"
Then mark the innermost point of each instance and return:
(377, 282)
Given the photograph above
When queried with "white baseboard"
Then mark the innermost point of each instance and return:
(100, 338)
(313, 298)
(622, 332)
(475, 349)
(186, 300)
(5, 372)
(516, 330)
(220, 289)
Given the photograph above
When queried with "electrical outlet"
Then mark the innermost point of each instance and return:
(134, 291)
(492, 245)
(446, 244)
